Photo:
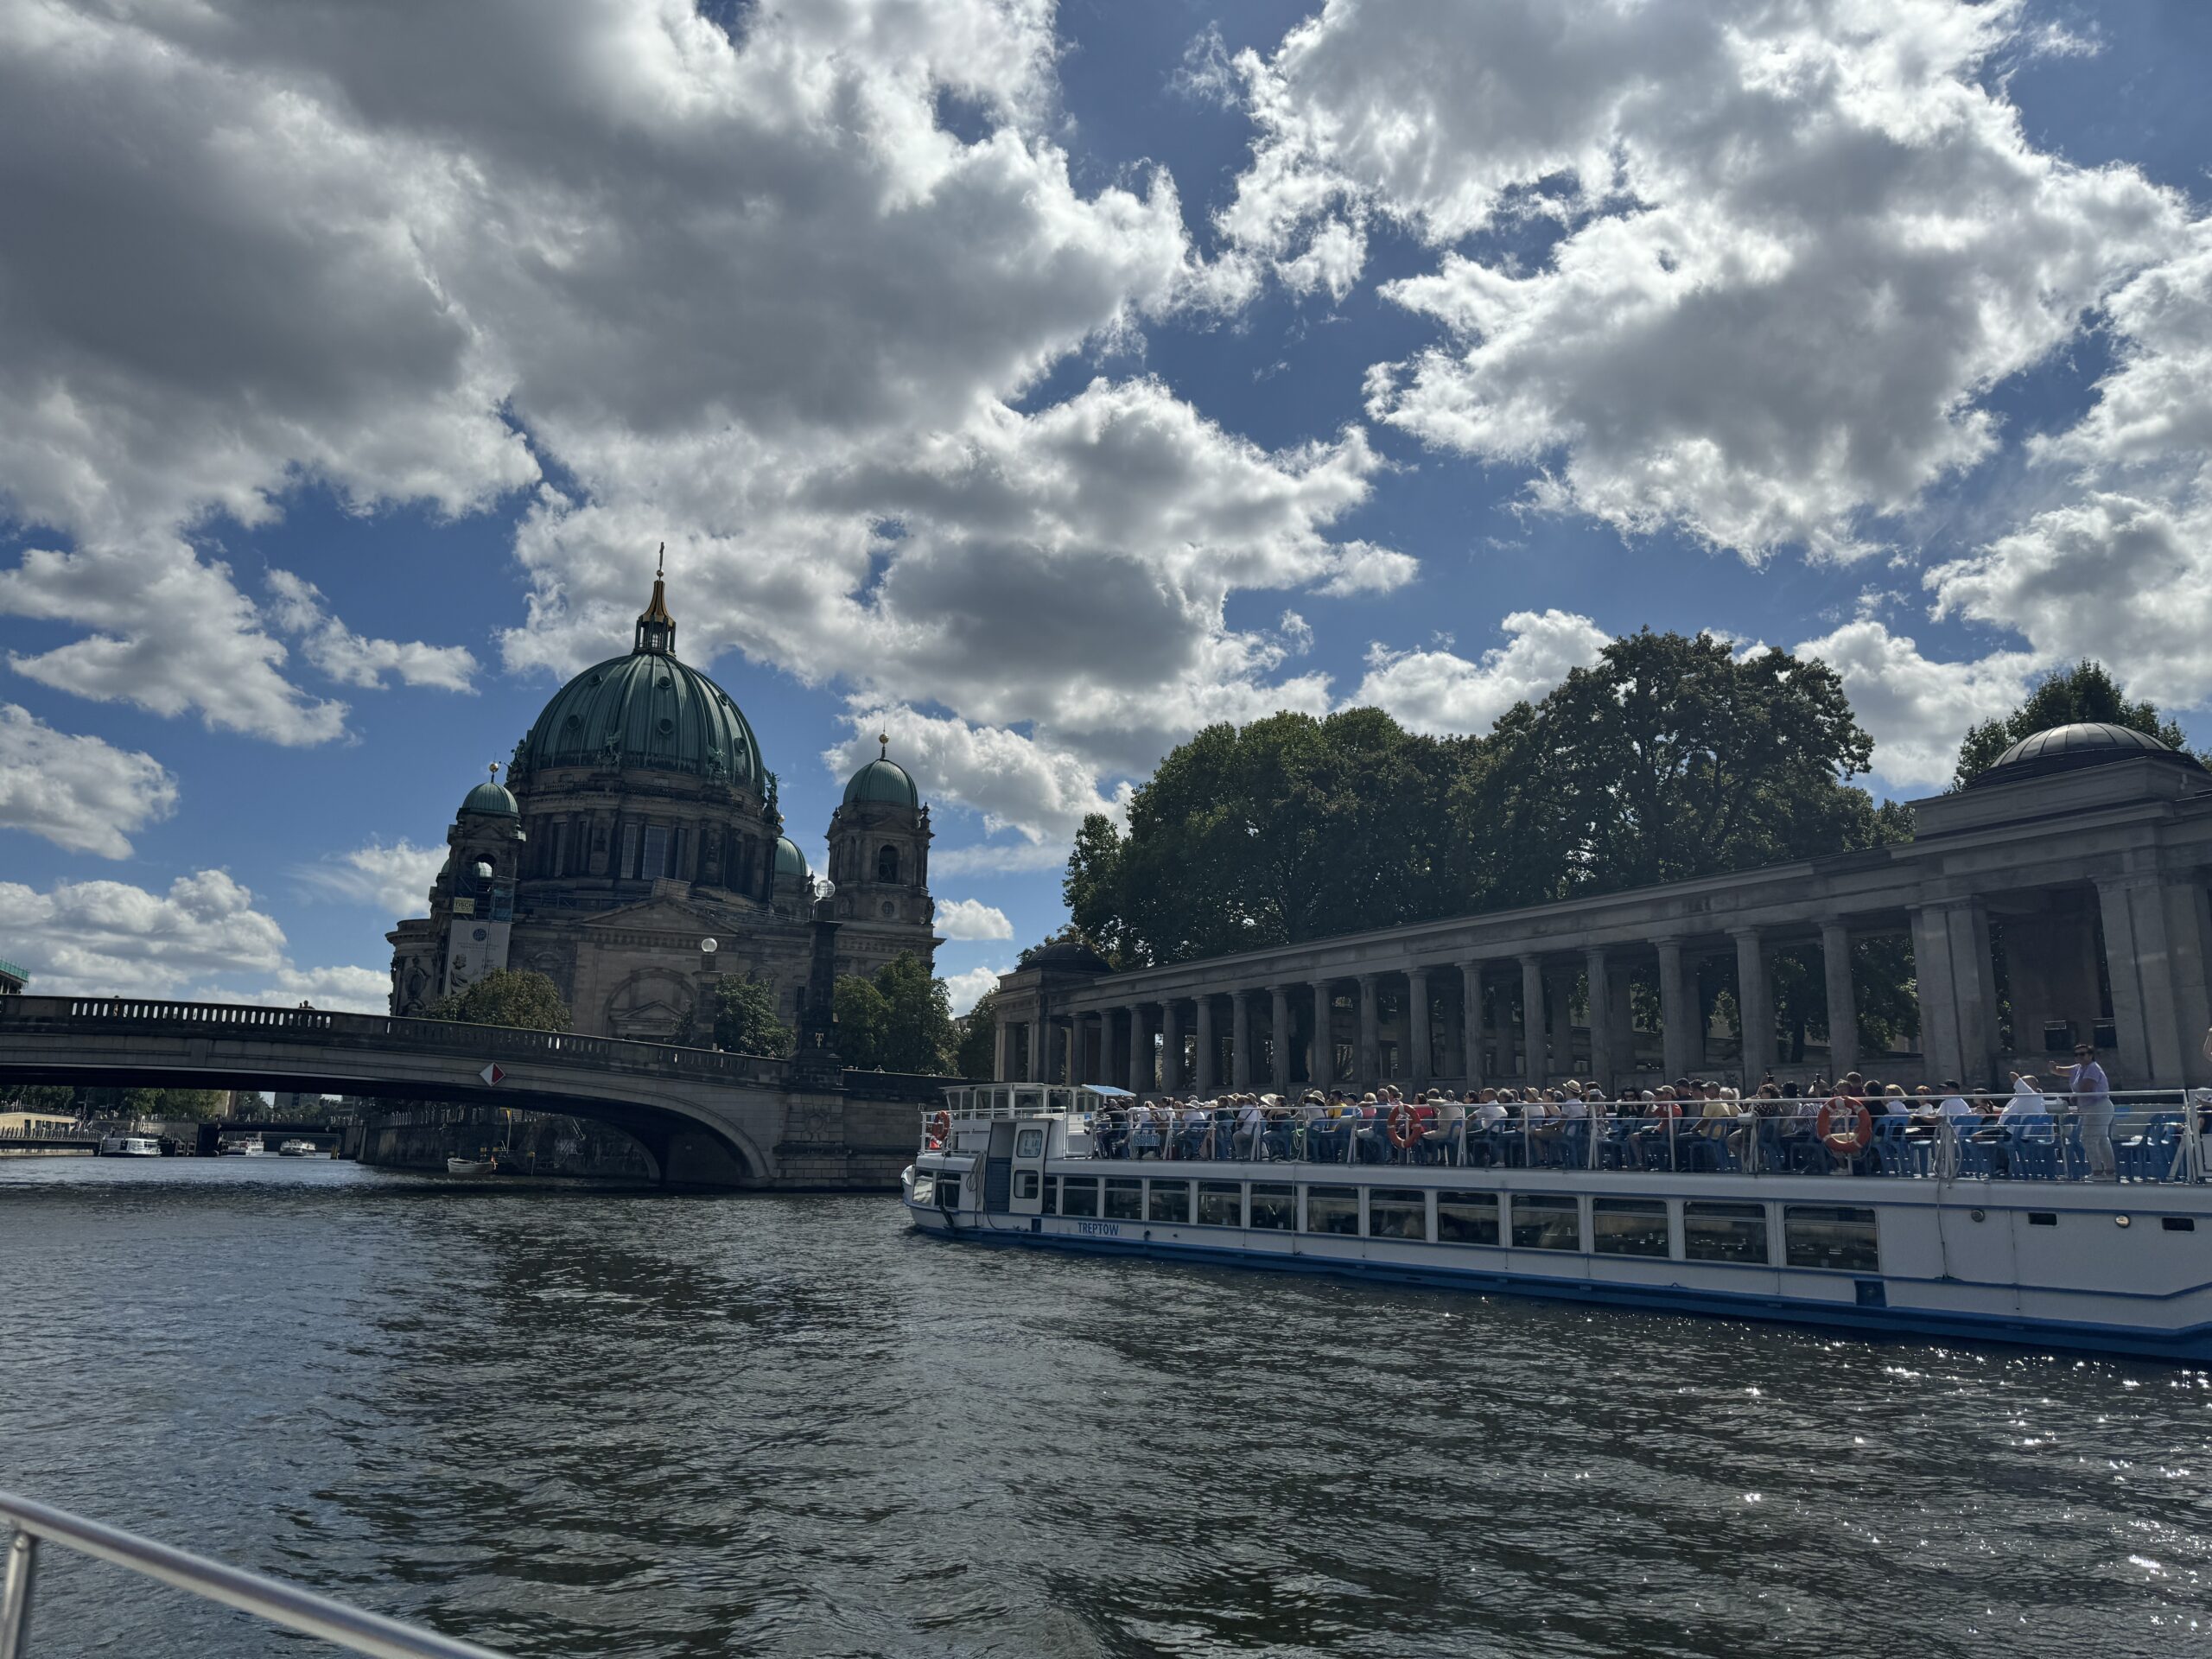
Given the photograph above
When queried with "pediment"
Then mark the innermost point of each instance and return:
(667, 915)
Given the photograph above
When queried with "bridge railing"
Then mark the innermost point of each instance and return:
(100, 1015)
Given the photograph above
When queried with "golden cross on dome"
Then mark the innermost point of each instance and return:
(884, 738)
(495, 771)
(660, 565)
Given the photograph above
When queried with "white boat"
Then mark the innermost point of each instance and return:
(296, 1149)
(241, 1146)
(469, 1166)
(1994, 1234)
(129, 1146)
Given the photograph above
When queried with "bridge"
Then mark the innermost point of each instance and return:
(705, 1117)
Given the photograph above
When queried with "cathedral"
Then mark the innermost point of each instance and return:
(635, 855)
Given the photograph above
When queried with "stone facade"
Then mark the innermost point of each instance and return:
(2077, 871)
(639, 822)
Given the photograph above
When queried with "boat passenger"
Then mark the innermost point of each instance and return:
(1144, 1130)
(2092, 1093)
(1198, 1131)
(1444, 1137)
(1251, 1124)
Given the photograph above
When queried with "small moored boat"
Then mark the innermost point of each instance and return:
(241, 1146)
(129, 1146)
(296, 1149)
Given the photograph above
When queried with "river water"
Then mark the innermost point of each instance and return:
(563, 1422)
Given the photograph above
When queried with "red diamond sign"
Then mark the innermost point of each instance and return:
(491, 1074)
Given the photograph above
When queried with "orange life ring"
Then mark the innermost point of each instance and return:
(1401, 1127)
(940, 1128)
(1831, 1127)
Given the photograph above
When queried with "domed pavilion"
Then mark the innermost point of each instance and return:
(638, 820)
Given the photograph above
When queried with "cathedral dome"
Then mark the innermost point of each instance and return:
(492, 801)
(884, 780)
(647, 711)
(791, 863)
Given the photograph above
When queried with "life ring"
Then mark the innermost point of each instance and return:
(1401, 1126)
(940, 1128)
(1833, 1130)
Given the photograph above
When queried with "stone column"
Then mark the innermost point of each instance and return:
(1603, 1059)
(1280, 1035)
(1370, 1060)
(1471, 1022)
(1035, 1057)
(1677, 1012)
(1240, 1041)
(1209, 1050)
(1843, 1000)
(1323, 1070)
(1950, 969)
(1534, 1067)
(1001, 1040)
(1422, 1065)
(1754, 1006)
(2155, 940)
(1171, 1046)
(1078, 1060)
(1140, 1054)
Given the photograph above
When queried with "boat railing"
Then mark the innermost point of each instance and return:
(2147, 1136)
(29, 1525)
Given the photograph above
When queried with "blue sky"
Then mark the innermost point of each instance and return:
(1035, 384)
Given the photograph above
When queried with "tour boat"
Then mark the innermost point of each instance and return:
(296, 1149)
(129, 1146)
(1992, 1236)
(241, 1146)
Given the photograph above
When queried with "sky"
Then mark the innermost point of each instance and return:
(1035, 384)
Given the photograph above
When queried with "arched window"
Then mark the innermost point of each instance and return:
(886, 864)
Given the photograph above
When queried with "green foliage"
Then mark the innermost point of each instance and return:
(190, 1105)
(58, 1099)
(745, 1020)
(2085, 692)
(976, 1055)
(1669, 759)
(506, 996)
(899, 1020)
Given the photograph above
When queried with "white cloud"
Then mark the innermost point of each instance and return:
(1917, 709)
(78, 792)
(967, 989)
(347, 656)
(82, 938)
(1750, 269)
(971, 918)
(101, 938)
(395, 878)
(1009, 780)
(999, 858)
(1441, 693)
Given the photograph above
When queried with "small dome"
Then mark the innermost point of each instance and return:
(791, 863)
(1065, 954)
(883, 780)
(2069, 748)
(491, 799)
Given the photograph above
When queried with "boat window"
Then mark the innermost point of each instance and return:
(1542, 1221)
(1629, 1226)
(1221, 1203)
(1027, 1100)
(1333, 1210)
(1079, 1195)
(1169, 1201)
(1724, 1232)
(1466, 1219)
(1029, 1143)
(925, 1189)
(1393, 1212)
(1274, 1206)
(1025, 1183)
(2178, 1223)
(1051, 1204)
(948, 1191)
(1124, 1201)
(1830, 1235)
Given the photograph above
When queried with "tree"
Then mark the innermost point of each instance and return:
(2085, 692)
(190, 1105)
(744, 1018)
(54, 1098)
(1669, 759)
(976, 1057)
(900, 1020)
(505, 996)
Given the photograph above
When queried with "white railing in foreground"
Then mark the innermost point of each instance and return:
(279, 1603)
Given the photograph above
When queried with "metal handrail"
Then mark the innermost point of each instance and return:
(270, 1598)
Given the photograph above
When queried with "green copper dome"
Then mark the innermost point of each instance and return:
(883, 779)
(791, 863)
(647, 711)
(492, 800)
